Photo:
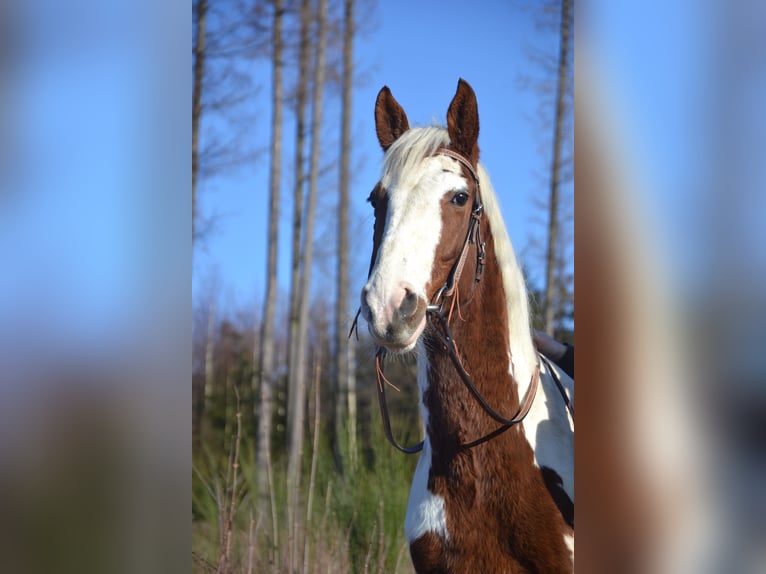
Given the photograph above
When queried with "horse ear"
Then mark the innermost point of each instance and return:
(390, 119)
(463, 121)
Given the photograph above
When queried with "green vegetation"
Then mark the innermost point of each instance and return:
(357, 516)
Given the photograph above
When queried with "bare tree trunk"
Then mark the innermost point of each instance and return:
(298, 391)
(198, 406)
(314, 458)
(210, 348)
(199, 70)
(351, 403)
(299, 171)
(202, 389)
(266, 362)
(553, 230)
(345, 389)
(295, 385)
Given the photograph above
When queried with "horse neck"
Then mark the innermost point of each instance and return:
(480, 329)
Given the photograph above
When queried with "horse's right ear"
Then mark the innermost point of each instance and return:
(390, 119)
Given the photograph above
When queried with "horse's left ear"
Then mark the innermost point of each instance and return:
(463, 121)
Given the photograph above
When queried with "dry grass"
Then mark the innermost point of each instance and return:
(358, 528)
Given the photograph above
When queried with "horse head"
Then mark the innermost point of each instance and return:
(423, 206)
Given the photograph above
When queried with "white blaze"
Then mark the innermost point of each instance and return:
(413, 226)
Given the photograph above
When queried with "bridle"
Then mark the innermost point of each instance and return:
(439, 324)
(473, 237)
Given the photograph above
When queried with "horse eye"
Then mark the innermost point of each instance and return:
(459, 199)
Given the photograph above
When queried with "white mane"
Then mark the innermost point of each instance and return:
(523, 354)
(402, 158)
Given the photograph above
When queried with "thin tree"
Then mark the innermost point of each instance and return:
(200, 14)
(299, 169)
(295, 392)
(204, 354)
(345, 391)
(210, 347)
(224, 47)
(298, 391)
(266, 349)
(553, 207)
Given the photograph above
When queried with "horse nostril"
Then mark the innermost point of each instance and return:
(409, 303)
(365, 305)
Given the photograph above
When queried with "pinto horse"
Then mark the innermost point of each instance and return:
(493, 490)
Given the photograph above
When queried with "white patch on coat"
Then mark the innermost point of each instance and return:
(549, 428)
(569, 541)
(425, 510)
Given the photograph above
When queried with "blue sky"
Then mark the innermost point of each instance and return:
(419, 49)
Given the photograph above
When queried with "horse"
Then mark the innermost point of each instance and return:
(491, 492)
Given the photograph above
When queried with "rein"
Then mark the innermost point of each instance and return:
(449, 344)
(440, 328)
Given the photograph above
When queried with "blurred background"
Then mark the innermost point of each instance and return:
(95, 329)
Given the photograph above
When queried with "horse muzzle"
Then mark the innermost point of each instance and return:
(395, 323)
